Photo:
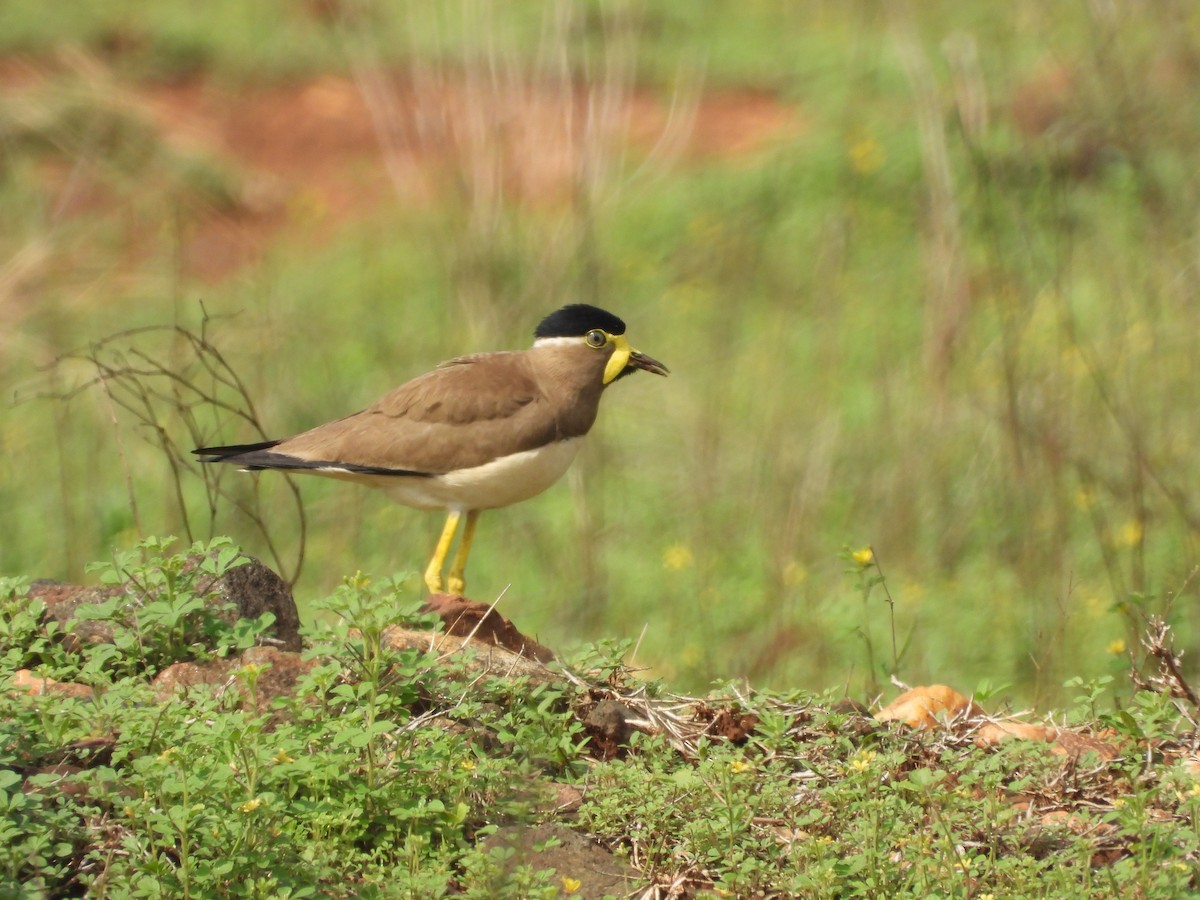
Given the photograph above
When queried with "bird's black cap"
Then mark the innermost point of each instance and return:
(577, 320)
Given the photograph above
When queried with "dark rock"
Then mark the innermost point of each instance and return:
(608, 726)
(254, 589)
(62, 601)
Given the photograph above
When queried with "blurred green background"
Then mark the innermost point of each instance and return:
(925, 275)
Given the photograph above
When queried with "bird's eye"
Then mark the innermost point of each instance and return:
(596, 338)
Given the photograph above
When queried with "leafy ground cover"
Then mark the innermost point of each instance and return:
(404, 772)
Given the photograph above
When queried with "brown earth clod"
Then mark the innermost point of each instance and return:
(480, 622)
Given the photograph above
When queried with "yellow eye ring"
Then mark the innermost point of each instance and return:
(596, 338)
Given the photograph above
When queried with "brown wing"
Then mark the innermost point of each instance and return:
(468, 389)
(465, 413)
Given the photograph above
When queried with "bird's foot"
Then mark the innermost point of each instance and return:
(433, 581)
(456, 584)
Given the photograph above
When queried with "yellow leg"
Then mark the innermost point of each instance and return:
(457, 582)
(433, 574)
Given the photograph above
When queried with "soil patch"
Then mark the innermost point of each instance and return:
(311, 156)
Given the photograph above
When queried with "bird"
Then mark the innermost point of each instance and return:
(477, 432)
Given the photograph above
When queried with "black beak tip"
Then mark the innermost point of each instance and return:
(647, 364)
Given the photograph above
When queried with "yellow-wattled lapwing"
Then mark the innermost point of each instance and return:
(478, 432)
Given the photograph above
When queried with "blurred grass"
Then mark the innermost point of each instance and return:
(952, 317)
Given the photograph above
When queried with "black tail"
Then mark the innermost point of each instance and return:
(255, 457)
(250, 456)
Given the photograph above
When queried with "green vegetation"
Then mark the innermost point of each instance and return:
(393, 773)
(945, 309)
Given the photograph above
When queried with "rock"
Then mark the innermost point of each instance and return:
(1191, 765)
(920, 707)
(281, 669)
(38, 685)
(62, 601)
(479, 657)
(565, 799)
(284, 670)
(254, 589)
(608, 726)
(992, 733)
(182, 677)
(1075, 745)
(1049, 833)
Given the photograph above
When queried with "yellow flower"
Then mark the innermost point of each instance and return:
(1117, 647)
(794, 573)
(357, 582)
(168, 754)
(863, 557)
(309, 207)
(571, 885)
(281, 756)
(862, 760)
(1130, 534)
(677, 557)
(1094, 605)
(866, 156)
(913, 592)
(251, 805)
(738, 766)
(690, 655)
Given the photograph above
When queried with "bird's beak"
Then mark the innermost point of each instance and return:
(647, 363)
(625, 360)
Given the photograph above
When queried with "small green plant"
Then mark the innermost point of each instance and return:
(39, 836)
(497, 872)
(164, 611)
(29, 638)
(864, 567)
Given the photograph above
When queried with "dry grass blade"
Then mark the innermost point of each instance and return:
(1159, 643)
(176, 386)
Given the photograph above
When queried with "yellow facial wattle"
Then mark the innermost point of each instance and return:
(619, 359)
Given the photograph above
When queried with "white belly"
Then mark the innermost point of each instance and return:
(501, 482)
